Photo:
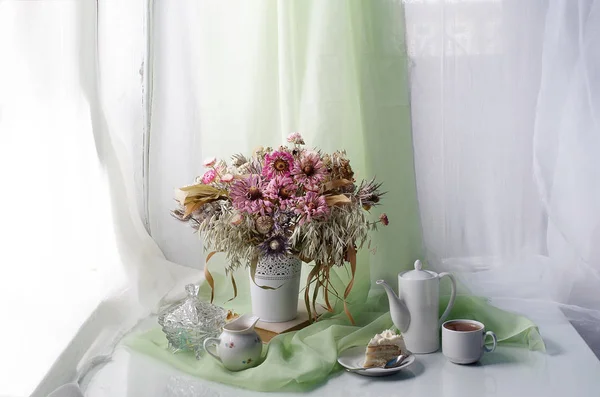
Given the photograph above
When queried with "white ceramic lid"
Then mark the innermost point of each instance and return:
(418, 273)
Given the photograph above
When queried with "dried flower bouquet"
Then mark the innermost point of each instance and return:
(284, 201)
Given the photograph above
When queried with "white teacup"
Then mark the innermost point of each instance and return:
(463, 341)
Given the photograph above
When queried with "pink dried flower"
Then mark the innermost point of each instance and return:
(227, 178)
(221, 168)
(277, 163)
(209, 176)
(309, 171)
(237, 219)
(248, 195)
(383, 218)
(283, 189)
(312, 206)
(210, 162)
(295, 138)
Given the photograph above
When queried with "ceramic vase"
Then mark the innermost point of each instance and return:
(281, 303)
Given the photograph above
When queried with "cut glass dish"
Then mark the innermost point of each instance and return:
(190, 321)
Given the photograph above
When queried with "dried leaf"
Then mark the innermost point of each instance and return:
(314, 300)
(336, 184)
(326, 287)
(338, 199)
(191, 207)
(209, 278)
(234, 288)
(352, 260)
(348, 314)
(311, 275)
(199, 192)
(253, 265)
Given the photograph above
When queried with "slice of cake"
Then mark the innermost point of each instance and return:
(382, 348)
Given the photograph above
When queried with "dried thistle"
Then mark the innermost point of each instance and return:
(368, 193)
(276, 245)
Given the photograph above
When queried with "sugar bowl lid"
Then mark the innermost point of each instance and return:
(418, 273)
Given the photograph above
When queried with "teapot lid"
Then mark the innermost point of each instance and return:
(418, 273)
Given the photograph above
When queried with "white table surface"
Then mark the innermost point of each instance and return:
(568, 368)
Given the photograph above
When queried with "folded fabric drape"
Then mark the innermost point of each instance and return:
(301, 360)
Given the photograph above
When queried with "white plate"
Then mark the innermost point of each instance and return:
(355, 357)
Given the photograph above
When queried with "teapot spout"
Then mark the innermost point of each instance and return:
(398, 310)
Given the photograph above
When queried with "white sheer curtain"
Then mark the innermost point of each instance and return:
(505, 103)
(78, 267)
(505, 98)
(231, 75)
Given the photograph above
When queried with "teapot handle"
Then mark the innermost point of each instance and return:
(207, 342)
(452, 297)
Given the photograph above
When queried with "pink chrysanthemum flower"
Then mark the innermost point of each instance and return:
(309, 171)
(283, 189)
(278, 163)
(208, 176)
(312, 206)
(295, 138)
(248, 195)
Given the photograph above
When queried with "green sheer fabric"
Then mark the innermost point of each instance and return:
(337, 73)
(304, 359)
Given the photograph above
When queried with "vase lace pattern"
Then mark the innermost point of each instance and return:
(278, 268)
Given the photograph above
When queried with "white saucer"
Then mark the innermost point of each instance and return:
(355, 357)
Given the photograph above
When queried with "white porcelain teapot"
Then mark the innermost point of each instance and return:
(415, 311)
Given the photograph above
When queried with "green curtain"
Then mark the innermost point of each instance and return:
(335, 71)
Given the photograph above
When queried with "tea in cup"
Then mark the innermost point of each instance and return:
(463, 341)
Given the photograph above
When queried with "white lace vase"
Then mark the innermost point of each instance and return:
(280, 304)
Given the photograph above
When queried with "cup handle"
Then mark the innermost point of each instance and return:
(452, 297)
(494, 339)
(207, 342)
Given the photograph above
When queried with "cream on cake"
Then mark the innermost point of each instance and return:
(382, 348)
